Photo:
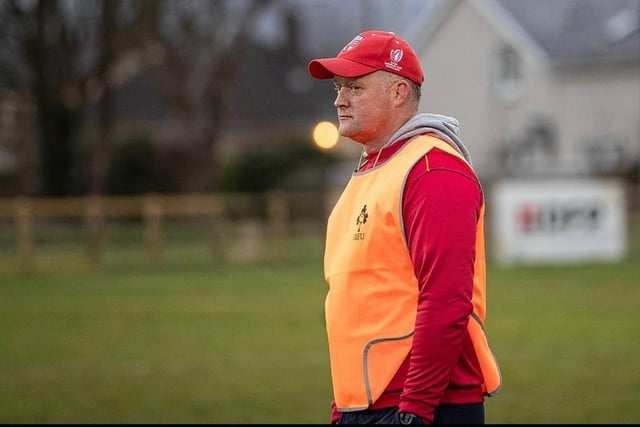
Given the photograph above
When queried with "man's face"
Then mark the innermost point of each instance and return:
(363, 105)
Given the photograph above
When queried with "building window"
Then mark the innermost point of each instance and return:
(507, 75)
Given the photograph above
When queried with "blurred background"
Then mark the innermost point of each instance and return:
(167, 167)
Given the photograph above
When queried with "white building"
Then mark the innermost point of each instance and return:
(540, 87)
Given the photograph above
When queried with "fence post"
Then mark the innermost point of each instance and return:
(277, 217)
(250, 241)
(152, 229)
(94, 220)
(218, 234)
(24, 232)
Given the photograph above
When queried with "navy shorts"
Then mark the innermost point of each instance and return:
(444, 414)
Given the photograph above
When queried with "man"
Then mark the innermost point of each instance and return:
(404, 256)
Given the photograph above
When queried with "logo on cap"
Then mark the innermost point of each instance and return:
(396, 56)
(353, 43)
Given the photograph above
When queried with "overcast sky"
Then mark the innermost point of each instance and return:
(327, 25)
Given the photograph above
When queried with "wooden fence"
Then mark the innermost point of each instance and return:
(152, 209)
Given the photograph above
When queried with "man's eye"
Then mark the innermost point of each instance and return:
(336, 88)
(353, 87)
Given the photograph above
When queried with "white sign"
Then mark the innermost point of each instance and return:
(555, 221)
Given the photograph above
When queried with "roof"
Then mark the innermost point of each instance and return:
(560, 32)
(571, 31)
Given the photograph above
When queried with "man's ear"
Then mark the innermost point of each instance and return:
(401, 91)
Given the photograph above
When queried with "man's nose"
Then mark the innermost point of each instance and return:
(341, 100)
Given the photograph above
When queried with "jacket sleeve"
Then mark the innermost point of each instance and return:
(441, 206)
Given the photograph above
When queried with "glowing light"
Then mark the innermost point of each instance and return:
(325, 135)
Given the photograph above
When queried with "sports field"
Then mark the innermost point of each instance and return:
(190, 342)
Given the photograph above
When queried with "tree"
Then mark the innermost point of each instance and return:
(67, 53)
(75, 54)
(204, 42)
(36, 47)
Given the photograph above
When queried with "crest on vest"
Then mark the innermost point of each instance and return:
(361, 219)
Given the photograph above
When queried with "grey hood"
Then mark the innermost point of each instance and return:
(444, 127)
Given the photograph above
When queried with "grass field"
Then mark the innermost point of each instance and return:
(191, 342)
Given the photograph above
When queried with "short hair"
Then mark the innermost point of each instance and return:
(390, 78)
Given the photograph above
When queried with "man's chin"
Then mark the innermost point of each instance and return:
(343, 131)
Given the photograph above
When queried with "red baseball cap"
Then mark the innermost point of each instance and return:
(368, 52)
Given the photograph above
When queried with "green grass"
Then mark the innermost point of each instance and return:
(567, 341)
(236, 345)
(195, 342)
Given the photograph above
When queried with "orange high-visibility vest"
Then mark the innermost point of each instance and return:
(372, 300)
